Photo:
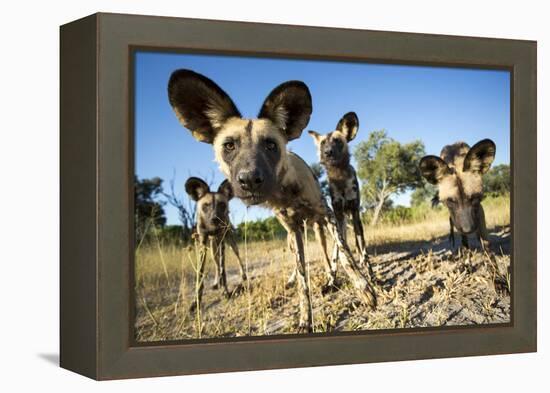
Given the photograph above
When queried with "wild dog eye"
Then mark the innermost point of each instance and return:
(450, 202)
(205, 205)
(270, 145)
(476, 199)
(229, 146)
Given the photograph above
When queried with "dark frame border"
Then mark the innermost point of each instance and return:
(96, 313)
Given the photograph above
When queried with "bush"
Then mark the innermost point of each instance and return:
(262, 229)
(397, 216)
(402, 215)
(174, 234)
(497, 180)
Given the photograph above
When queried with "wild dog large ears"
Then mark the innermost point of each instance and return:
(480, 157)
(226, 189)
(315, 135)
(200, 104)
(196, 188)
(289, 107)
(433, 169)
(348, 125)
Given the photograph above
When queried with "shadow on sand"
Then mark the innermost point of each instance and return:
(499, 239)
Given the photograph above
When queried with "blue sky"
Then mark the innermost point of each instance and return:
(438, 105)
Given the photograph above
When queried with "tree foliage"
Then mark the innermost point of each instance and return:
(186, 211)
(173, 234)
(148, 209)
(386, 167)
(497, 181)
(424, 194)
(261, 229)
(319, 173)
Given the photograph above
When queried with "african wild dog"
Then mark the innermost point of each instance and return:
(344, 190)
(252, 154)
(458, 173)
(213, 225)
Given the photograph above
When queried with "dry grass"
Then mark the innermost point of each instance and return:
(419, 283)
(436, 224)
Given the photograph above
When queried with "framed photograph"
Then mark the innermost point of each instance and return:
(241, 196)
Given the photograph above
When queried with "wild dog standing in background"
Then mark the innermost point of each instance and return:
(458, 173)
(253, 156)
(344, 190)
(213, 225)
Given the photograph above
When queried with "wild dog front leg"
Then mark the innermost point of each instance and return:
(463, 248)
(340, 218)
(218, 248)
(290, 242)
(330, 265)
(363, 287)
(306, 320)
(220, 261)
(199, 274)
(230, 239)
(452, 233)
(482, 230)
(361, 243)
(216, 283)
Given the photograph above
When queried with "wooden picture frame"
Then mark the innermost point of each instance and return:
(97, 195)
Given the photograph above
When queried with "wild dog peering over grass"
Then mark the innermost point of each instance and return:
(213, 225)
(458, 173)
(252, 154)
(344, 190)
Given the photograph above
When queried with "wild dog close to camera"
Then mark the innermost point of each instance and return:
(458, 173)
(253, 156)
(214, 226)
(344, 190)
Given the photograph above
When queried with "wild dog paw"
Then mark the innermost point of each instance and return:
(330, 286)
(239, 289)
(364, 259)
(368, 297)
(304, 327)
(370, 273)
(291, 282)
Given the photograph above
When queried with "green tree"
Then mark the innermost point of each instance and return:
(186, 211)
(423, 193)
(261, 229)
(386, 167)
(148, 210)
(173, 234)
(319, 173)
(497, 180)
(397, 215)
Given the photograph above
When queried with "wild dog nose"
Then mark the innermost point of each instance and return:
(466, 220)
(250, 180)
(329, 152)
